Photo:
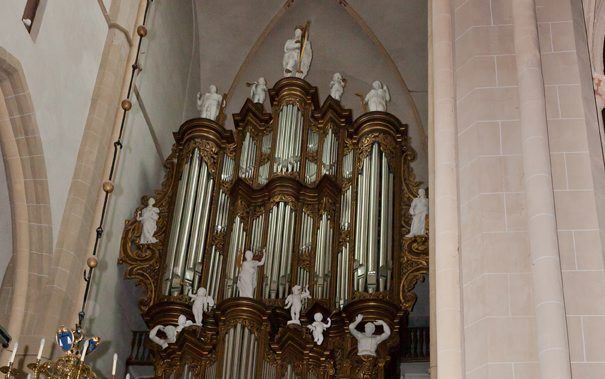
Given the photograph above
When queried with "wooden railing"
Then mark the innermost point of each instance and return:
(417, 345)
(139, 352)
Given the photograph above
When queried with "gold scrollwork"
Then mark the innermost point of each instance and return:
(414, 268)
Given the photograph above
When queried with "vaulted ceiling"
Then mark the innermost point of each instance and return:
(364, 40)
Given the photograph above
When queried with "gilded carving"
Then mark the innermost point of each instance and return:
(414, 268)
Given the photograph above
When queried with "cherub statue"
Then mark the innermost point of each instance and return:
(337, 86)
(169, 331)
(210, 104)
(367, 342)
(378, 97)
(258, 91)
(201, 303)
(418, 209)
(183, 323)
(246, 280)
(149, 217)
(318, 328)
(294, 300)
(297, 54)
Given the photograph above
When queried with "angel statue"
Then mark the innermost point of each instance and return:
(148, 217)
(258, 92)
(246, 280)
(294, 302)
(201, 303)
(298, 53)
(210, 104)
(337, 86)
(378, 97)
(318, 328)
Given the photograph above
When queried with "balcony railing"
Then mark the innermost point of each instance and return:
(139, 352)
(417, 346)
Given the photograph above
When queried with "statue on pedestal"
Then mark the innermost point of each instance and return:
(298, 53)
(318, 328)
(367, 342)
(148, 218)
(337, 86)
(294, 300)
(246, 280)
(201, 303)
(419, 209)
(210, 104)
(378, 97)
(258, 90)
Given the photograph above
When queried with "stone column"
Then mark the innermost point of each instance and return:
(551, 325)
(444, 189)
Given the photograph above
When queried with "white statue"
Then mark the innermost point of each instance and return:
(210, 104)
(149, 217)
(294, 302)
(378, 97)
(318, 328)
(418, 209)
(337, 86)
(246, 280)
(367, 342)
(258, 92)
(183, 323)
(598, 81)
(201, 303)
(169, 331)
(297, 60)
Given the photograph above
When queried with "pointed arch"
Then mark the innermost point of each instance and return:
(29, 198)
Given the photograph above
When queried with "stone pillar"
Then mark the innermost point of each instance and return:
(444, 190)
(551, 326)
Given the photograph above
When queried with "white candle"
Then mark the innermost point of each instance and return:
(41, 348)
(15, 347)
(84, 351)
(127, 376)
(115, 364)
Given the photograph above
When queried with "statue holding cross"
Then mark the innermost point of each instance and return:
(298, 53)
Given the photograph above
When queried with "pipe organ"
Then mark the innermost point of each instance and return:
(324, 198)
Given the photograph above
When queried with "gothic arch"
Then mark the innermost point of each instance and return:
(29, 199)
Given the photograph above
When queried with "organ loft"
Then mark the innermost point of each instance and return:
(287, 245)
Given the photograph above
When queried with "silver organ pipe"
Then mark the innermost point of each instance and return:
(190, 226)
(239, 355)
(279, 251)
(210, 371)
(248, 157)
(323, 257)
(374, 226)
(289, 136)
(310, 172)
(329, 153)
(176, 223)
(269, 371)
(236, 247)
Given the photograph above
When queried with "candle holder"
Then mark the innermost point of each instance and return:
(36, 368)
(10, 371)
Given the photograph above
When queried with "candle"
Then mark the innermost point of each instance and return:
(115, 364)
(15, 347)
(41, 348)
(127, 376)
(84, 351)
